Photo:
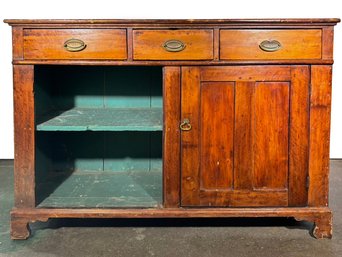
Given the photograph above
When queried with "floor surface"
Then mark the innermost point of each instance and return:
(170, 237)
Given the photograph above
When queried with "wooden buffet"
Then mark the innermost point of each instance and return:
(172, 118)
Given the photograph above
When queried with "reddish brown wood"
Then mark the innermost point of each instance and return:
(243, 135)
(271, 135)
(258, 115)
(24, 139)
(170, 63)
(20, 228)
(322, 227)
(321, 216)
(192, 22)
(299, 135)
(190, 158)
(299, 213)
(171, 146)
(129, 44)
(148, 44)
(243, 198)
(216, 44)
(295, 44)
(17, 43)
(246, 73)
(320, 102)
(216, 135)
(327, 42)
(100, 44)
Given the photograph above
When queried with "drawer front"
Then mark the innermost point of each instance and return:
(173, 44)
(75, 44)
(270, 44)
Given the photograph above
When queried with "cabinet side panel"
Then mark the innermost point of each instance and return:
(299, 135)
(319, 135)
(217, 135)
(271, 135)
(171, 145)
(24, 182)
(327, 42)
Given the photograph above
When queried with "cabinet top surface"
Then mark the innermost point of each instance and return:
(302, 21)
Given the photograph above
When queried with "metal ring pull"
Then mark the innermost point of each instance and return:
(185, 125)
(174, 45)
(74, 45)
(270, 45)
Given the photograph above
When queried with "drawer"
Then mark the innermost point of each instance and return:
(270, 44)
(173, 44)
(75, 44)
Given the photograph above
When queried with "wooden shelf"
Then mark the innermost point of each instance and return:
(90, 189)
(103, 119)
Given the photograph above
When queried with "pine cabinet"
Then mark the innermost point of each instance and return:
(172, 118)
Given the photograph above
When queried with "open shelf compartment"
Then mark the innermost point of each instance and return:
(98, 137)
(73, 98)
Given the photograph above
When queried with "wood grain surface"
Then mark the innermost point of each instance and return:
(295, 44)
(148, 44)
(24, 136)
(100, 44)
(320, 108)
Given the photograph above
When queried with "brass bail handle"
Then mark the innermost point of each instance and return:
(74, 45)
(185, 125)
(174, 45)
(270, 45)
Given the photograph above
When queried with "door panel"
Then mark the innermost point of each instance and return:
(240, 150)
(243, 135)
(270, 139)
(216, 138)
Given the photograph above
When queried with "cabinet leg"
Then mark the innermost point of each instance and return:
(20, 228)
(323, 226)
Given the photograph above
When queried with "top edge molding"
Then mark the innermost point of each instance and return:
(316, 21)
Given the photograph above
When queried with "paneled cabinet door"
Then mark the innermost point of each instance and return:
(244, 136)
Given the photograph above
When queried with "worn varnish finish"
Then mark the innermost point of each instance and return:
(321, 217)
(171, 146)
(24, 137)
(158, 22)
(190, 158)
(320, 104)
(243, 133)
(17, 45)
(216, 135)
(259, 120)
(100, 44)
(254, 121)
(299, 135)
(270, 155)
(295, 44)
(149, 44)
(327, 42)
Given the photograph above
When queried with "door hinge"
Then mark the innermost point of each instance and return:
(307, 182)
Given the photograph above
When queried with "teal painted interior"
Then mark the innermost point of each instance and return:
(108, 150)
(103, 119)
(103, 190)
(63, 88)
